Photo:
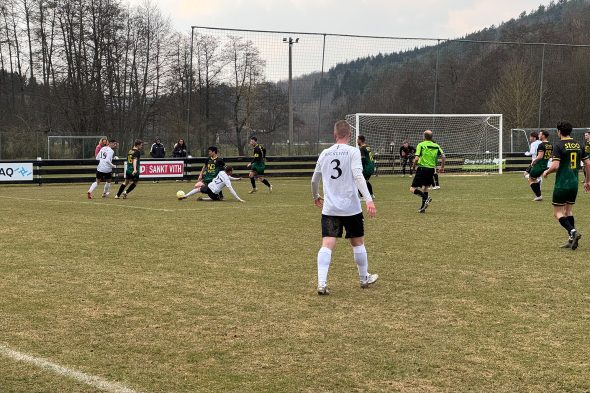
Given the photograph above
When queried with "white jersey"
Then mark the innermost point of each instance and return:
(533, 149)
(105, 155)
(219, 182)
(340, 191)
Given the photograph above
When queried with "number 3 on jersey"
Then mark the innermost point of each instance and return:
(336, 168)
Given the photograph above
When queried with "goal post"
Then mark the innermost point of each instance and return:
(472, 142)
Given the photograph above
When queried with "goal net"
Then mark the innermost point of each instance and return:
(471, 142)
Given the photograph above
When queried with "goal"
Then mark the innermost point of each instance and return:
(471, 142)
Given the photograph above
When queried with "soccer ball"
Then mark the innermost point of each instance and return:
(180, 194)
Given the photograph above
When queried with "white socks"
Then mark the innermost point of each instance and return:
(324, 258)
(362, 262)
(192, 192)
(107, 188)
(93, 187)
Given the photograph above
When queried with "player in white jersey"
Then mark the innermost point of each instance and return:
(213, 188)
(534, 146)
(341, 171)
(104, 170)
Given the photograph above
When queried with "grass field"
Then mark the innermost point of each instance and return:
(160, 295)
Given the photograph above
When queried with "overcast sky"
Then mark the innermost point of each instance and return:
(399, 18)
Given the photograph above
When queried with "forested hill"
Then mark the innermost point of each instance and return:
(479, 77)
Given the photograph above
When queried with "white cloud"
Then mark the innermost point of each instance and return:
(425, 18)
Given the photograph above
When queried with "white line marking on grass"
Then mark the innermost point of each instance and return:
(88, 203)
(45, 364)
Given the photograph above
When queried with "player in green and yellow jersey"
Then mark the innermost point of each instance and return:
(212, 167)
(367, 160)
(539, 164)
(567, 154)
(257, 165)
(133, 169)
(427, 154)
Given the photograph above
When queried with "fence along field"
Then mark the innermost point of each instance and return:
(332, 75)
(160, 295)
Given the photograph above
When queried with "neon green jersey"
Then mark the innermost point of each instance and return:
(428, 152)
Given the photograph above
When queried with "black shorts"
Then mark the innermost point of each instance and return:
(104, 176)
(210, 194)
(332, 226)
(131, 176)
(424, 177)
(407, 160)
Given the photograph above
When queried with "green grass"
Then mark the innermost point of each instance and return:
(168, 296)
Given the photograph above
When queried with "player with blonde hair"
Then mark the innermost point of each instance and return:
(341, 171)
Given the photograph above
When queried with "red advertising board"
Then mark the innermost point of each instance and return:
(160, 169)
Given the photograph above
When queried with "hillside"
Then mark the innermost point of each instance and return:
(476, 77)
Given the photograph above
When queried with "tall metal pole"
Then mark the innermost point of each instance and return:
(317, 145)
(541, 87)
(190, 88)
(436, 80)
(290, 92)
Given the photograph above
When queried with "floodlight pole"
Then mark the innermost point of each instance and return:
(190, 88)
(290, 41)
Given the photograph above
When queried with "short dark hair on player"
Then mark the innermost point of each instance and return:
(361, 138)
(228, 168)
(428, 135)
(534, 134)
(113, 141)
(137, 142)
(213, 149)
(546, 133)
(564, 128)
(253, 138)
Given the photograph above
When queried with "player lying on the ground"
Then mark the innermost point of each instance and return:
(223, 179)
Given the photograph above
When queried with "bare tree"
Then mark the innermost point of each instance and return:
(516, 95)
(245, 72)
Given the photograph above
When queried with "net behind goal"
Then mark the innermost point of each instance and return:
(471, 142)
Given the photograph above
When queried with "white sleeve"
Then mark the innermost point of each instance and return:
(315, 179)
(315, 185)
(361, 184)
(233, 178)
(233, 192)
(356, 161)
(110, 158)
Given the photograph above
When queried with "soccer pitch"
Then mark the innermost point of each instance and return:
(152, 294)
